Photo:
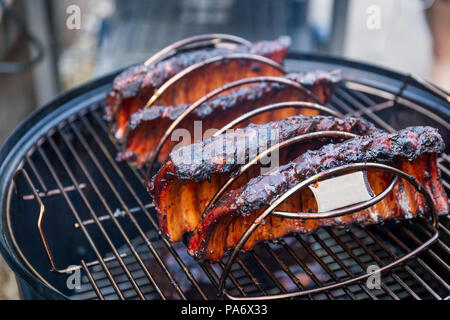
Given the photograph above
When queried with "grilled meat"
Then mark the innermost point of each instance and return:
(182, 188)
(412, 150)
(134, 87)
(146, 125)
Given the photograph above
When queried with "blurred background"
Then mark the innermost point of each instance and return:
(49, 46)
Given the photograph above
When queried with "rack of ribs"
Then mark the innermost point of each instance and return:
(200, 190)
(413, 150)
(182, 188)
(133, 88)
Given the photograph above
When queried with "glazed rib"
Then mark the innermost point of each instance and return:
(133, 87)
(412, 150)
(182, 188)
(147, 125)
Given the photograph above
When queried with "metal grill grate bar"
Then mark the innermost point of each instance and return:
(103, 200)
(323, 265)
(419, 260)
(77, 217)
(92, 281)
(359, 262)
(304, 267)
(342, 265)
(392, 255)
(352, 101)
(94, 216)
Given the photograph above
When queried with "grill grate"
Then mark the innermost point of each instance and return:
(73, 168)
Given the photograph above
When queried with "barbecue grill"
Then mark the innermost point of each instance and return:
(68, 208)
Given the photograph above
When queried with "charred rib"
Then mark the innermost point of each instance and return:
(182, 188)
(413, 150)
(133, 88)
(145, 126)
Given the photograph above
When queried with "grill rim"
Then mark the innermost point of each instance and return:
(39, 123)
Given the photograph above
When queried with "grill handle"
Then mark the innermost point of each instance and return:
(41, 205)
